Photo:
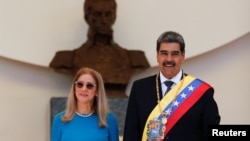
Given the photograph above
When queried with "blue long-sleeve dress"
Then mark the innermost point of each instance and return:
(84, 129)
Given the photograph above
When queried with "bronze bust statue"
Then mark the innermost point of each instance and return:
(115, 63)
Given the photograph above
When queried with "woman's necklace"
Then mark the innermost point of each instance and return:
(165, 115)
(84, 115)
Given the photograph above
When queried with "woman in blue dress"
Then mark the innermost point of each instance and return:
(87, 116)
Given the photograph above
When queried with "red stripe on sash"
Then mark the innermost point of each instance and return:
(185, 106)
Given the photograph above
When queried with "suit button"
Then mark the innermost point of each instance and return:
(166, 138)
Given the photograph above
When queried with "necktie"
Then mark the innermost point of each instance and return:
(168, 84)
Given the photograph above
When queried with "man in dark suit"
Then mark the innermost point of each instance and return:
(182, 113)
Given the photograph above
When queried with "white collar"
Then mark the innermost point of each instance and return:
(175, 79)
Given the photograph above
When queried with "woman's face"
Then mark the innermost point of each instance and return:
(85, 89)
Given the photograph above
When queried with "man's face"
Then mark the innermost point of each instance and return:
(170, 59)
(102, 17)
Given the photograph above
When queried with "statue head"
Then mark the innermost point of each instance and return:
(100, 15)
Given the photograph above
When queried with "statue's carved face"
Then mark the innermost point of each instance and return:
(101, 16)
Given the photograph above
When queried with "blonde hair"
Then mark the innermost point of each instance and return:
(100, 104)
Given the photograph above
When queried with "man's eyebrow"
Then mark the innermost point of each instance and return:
(163, 51)
(169, 51)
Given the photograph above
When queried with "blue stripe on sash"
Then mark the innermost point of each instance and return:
(182, 96)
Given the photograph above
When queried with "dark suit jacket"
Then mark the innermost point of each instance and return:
(191, 127)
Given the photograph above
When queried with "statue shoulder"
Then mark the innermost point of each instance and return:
(138, 58)
(62, 59)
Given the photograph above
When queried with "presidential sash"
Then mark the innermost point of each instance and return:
(176, 103)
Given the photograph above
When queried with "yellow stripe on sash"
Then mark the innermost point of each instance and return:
(166, 100)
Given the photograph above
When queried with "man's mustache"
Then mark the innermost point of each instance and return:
(167, 63)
